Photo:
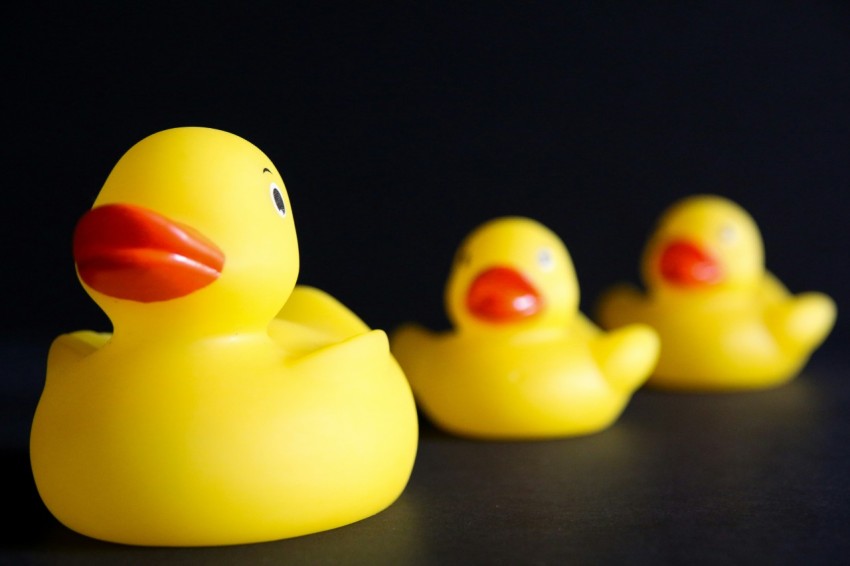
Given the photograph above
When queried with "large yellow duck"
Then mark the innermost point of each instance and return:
(213, 414)
(521, 361)
(725, 323)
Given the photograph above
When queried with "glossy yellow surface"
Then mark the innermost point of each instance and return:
(738, 328)
(525, 368)
(223, 416)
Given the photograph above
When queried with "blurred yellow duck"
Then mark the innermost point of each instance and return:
(725, 323)
(521, 361)
(213, 414)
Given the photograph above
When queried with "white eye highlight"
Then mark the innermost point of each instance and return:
(727, 234)
(277, 199)
(545, 259)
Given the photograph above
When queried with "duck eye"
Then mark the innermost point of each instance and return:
(277, 199)
(545, 259)
(727, 234)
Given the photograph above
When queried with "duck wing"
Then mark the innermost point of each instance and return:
(627, 355)
(70, 348)
(317, 310)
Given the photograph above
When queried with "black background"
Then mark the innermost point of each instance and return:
(398, 127)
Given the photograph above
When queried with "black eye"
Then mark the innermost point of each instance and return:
(728, 234)
(277, 198)
(545, 259)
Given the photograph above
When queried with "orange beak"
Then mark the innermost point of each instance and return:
(501, 295)
(129, 252)
(686, 264)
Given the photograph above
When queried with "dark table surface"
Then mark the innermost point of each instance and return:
(680, 478)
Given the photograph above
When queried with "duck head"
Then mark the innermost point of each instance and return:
(192, 230)
(702, 243)
(511, 272)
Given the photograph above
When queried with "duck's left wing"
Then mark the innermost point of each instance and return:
(317, 310)
(346, 357)
(70, 348)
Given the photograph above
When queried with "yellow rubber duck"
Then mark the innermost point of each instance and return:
(521, 361)
(214, 414)
(725, 323)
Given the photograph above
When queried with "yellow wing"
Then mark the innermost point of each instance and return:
(312, 307)
(311, 320)
(70, 348)
(772, 290)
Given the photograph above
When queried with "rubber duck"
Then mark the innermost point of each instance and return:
(227, 405)
(520, 360)
(726, 324)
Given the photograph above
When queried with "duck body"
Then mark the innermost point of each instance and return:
(725, 323)
(529, 386)
(178, 445)
(521, 361)
(202, 421)
(725, 342)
